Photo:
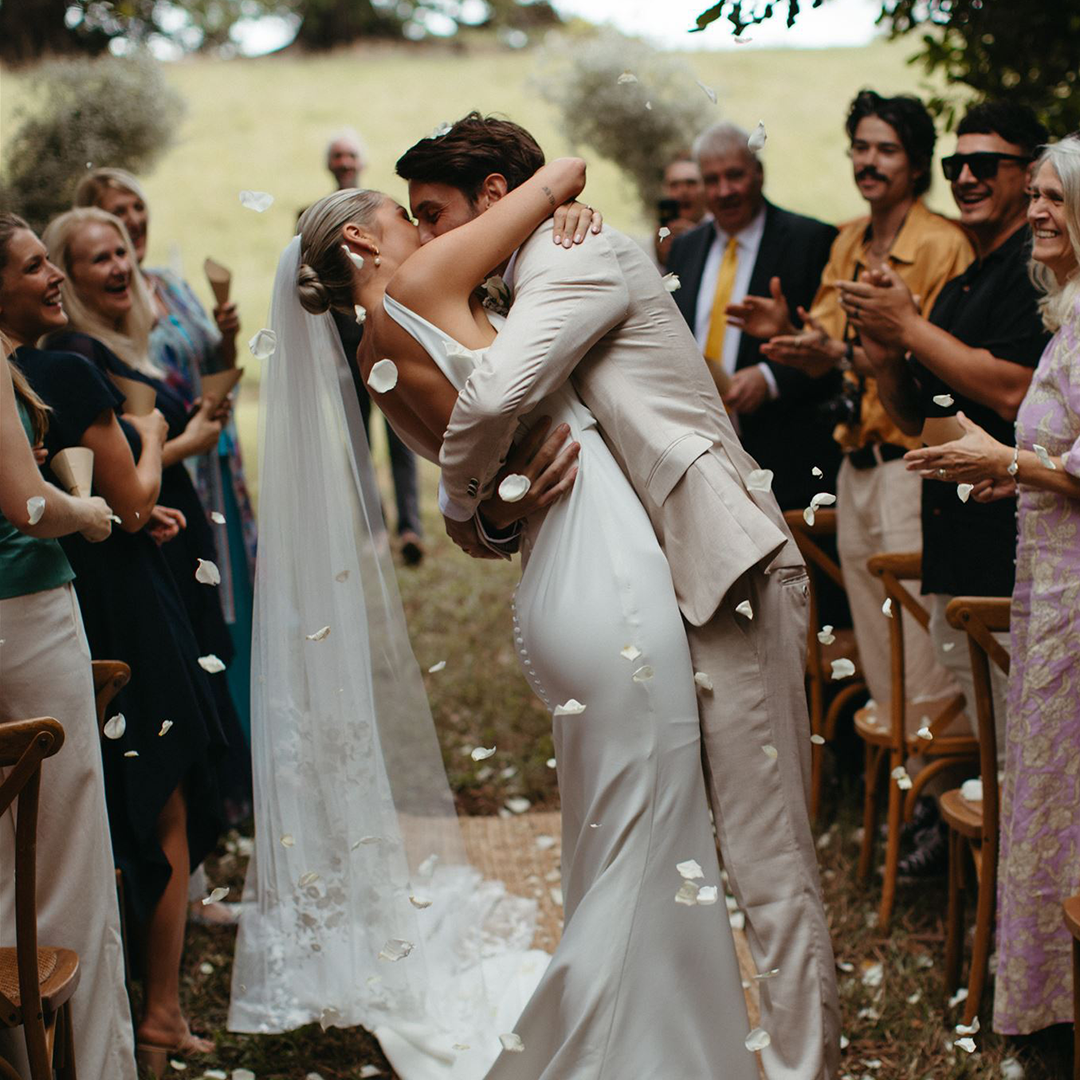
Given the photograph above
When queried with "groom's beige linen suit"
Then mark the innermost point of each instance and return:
(599, 315)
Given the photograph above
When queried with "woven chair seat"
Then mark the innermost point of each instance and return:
(58, 975)
(874, 724)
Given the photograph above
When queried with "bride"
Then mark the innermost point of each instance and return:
(361, 908)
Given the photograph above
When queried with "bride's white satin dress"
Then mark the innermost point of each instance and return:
(640, 986)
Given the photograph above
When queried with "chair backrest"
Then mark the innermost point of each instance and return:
(982, 617)
(819, 563)
(110, 677)
(24, 745)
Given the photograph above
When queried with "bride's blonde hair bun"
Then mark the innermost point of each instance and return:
(314, 295)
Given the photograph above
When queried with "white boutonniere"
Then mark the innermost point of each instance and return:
(495, 295)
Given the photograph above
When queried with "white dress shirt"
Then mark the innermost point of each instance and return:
(748, 242)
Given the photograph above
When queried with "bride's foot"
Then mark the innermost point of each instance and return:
(158, 1039)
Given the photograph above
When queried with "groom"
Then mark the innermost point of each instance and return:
(599, 315)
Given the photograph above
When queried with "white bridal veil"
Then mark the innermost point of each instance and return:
(360, 907)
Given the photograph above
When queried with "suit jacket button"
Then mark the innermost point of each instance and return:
(474, 487)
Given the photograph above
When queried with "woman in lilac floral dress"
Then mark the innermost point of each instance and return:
(1040, 810)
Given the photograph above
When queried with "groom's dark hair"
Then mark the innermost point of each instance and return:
(472, 149)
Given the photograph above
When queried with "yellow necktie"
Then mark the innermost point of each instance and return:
(725, 283)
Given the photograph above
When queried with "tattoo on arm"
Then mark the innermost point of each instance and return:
(547, 192)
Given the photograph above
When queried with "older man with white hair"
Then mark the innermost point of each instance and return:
(346, 157)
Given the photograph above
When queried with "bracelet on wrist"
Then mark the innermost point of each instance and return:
(1014, 466)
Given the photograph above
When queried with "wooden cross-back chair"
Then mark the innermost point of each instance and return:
(890, 740)
(36, 982)
(827, 698)
(973, 826)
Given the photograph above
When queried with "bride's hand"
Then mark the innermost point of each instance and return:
(574, 221)
(550, 465)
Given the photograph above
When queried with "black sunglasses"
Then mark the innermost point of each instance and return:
(983, 165)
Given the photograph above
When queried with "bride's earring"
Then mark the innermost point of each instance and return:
(378, 261)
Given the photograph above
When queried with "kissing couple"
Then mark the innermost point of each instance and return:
(661, 615)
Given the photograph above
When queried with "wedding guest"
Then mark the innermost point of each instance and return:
(747, 242)
(159, 770)
(346, 159)
(45, 671)
(186, 343)
(1040, 830)
(974, 351)
(682, 202)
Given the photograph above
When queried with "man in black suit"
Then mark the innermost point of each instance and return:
(782, 415)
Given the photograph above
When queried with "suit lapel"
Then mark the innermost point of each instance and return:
(686, 297)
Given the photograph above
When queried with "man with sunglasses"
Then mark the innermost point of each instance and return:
(974, 353)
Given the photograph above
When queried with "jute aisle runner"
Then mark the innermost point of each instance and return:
(523, 852)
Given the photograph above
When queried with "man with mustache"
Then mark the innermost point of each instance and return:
(878, 500)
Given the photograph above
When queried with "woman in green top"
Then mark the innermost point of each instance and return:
(45, 670)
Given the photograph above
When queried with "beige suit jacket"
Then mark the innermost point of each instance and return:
(599, 315)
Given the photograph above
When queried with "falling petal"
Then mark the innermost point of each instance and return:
(482, 754)
(263, 344)
(179, 1066)
(671, 282)
(972, 790)
(361, 313)
(35, 507)
(1043, 456)
(826, 635)
(211, 663)
(759, 480)
(944, 400)
(967, 1044)
(815, 471)
(165, 725)
(396, 949)
(758, 1039)
(572, 708)
(626, 78)
(757, 139)
(948, 646)
(690, 869)
(959, 997)
(968, 1029)
(420, 903)
(925, 733)
(308, 879)
(514, 488)
(511, 1042)
(744, 608)
(436, 668)
(256, 200)
(207, 573)
(648, 105)
(545, 842)
(115, 727)
(630, 652)
(770, 751)
(320, 635)
(664, 233)
(131, 753)
(900, 775)
(206, 969)
(963, 491)
(356, 260)
(382, 378)
(687, 894)
(217, 517)
(215, 895)
(886, 608)
(643, 674)
(822, 498)
(703, 680)
(707, 894)
(767, 975)
(1011, 1069)
(842, 668)
(709, 92)
(551, 763)
(287, 840)
(517, 805)
(818, 740)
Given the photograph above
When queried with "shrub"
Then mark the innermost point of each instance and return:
(115, 111)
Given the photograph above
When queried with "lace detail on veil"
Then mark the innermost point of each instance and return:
(360, 907)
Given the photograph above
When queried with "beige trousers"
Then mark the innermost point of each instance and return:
(45, 671)
(878, 511)
(756, 738)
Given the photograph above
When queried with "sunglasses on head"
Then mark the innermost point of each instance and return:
(983, 165)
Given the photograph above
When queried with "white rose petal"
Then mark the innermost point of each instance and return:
(643, 674)
(545, 842)
(709, 92)
(826, 635)
(1011, 1069)
(900, 775)
(630, 652)
(436, 668)
(972, 790)
(872, 974)
(948, 646)
(207, 573)
(517, 805)
(842, 668)
(211, 663)
(767, 975)
(816, 472)
(648, 105)
(704, 680)
(925, 733)
(959, 997)
(165, 725)
(511, 1042)
(382, 378)
(356, 260)
(131, 753)
(818, 740)
(687, 894)
(215, 1074)
(770, 751)
(944, 400)
(551, 763)
(396, 949)
(690, 869)
(745, 609)
(967, 1044)
(968, 1029)
(115, 726)
(626, 78)
(845, 966)
(482, 754)
(257, 201)
(320, 635)
(759, 480)
(215, 895)
(217, 517)
(179, 1066)
(514, 488)
(263, 344)
(572, 708)
(664, 233)
(361, 313)
(707, 894)
(1043, 456)
(758, 1039)
(671, 282)
(886, 608)
(206, 969)
(35, 507)
(420, 902)
(963, 491)
(243, 1074)
(757, 138)
(287, 840)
